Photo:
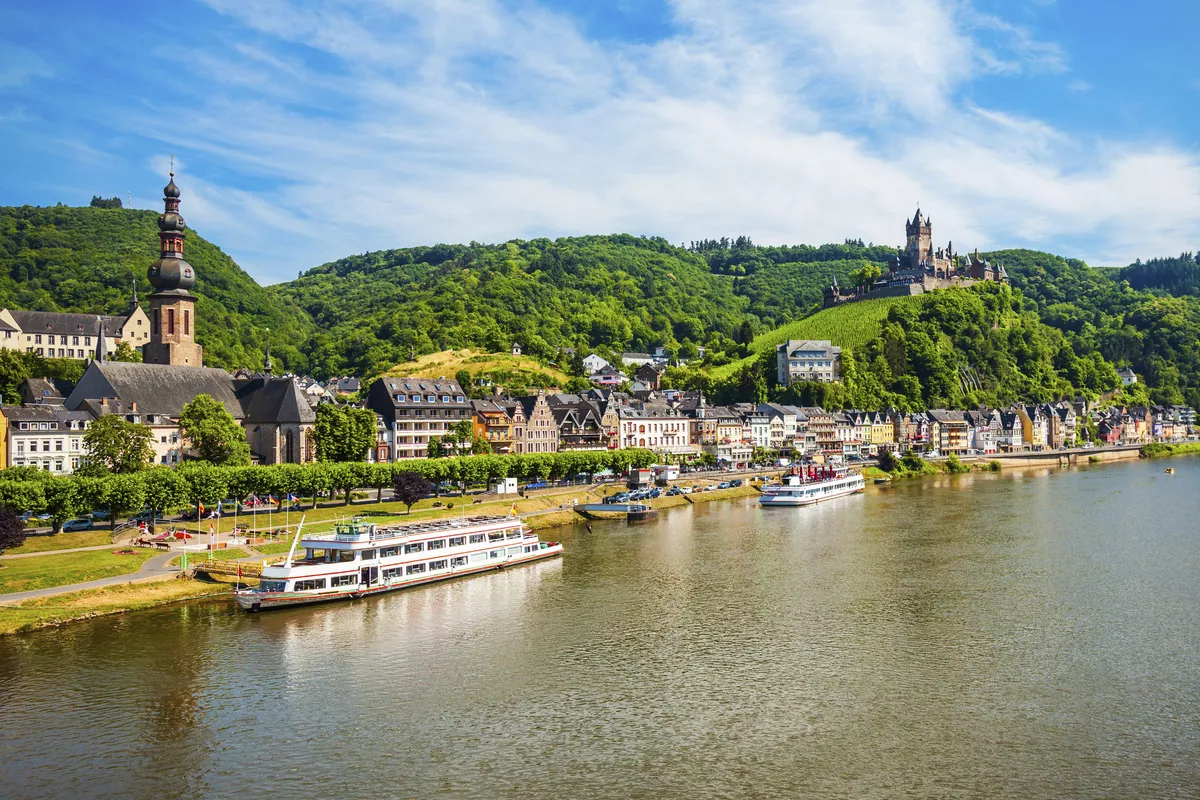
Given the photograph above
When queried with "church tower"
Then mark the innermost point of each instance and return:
(172, 306)
(919, 247)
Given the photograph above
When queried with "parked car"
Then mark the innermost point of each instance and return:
(538, 485)
(99, 516)
(725, 485)
(620, 497)
(78, 524)
(736, 482)
(674, 491)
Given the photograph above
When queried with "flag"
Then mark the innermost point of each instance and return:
(512, 512)
(272, 500)
(220, 506)
(292, 498)
(201, 506)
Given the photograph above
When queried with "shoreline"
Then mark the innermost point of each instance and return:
(56, 610)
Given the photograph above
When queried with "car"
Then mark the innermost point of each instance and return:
(78, 524)
(724, 485)
(620, 497)
(737, 482)
(674, 491)
(538, 485)
(654, 493)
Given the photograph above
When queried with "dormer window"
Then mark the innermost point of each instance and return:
(458, 399)
(400, 398)
(431, 398)
(445, 398)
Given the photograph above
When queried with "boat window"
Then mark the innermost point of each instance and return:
(435, 544)
(458, 541)
(394, 572)
(413, 569)
(515, 534)
(477, 557)
(415, 547)
(342, 580)
(389, 551)
(314, 583)
(512, 551)
(458, 561)
(476, 538)
(494, 554)
(272, 586)
(439, 564)
(496, 536)
(368, 554)
(345, 555)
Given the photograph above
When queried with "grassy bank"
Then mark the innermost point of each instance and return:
(44, 542)
(1161, 450)
(48, 611)
(42, 572)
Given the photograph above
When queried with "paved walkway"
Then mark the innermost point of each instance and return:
(57, 552)
(154, 569)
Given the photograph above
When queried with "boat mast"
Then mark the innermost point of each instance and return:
(295, 542)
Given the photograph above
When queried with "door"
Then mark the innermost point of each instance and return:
(370, 575)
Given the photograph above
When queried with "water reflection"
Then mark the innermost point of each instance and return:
(1025, 635)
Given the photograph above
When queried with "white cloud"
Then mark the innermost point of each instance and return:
(805, 121)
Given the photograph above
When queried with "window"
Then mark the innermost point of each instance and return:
(21, 446)
(187, 322)
(46, 445)
(389, 551)
(439, 564)
(476, 538)
(170, 320)
(58, 466)
(458, 561)
(313, 583)
(494, 554)
(432, 398)
(87, 340)
(393, 573)
(37, 339)
(436, 544)
(445, 398)
(458, 399)
(164, 459)
(400, 398)
(514, 534)
(24, 426)
(342, 580)
(58, 445)
(477, 557)
(457, 541)
(415, 547)
(416, 569)
(75, 340)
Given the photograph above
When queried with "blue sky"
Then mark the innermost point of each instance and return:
(306, 130)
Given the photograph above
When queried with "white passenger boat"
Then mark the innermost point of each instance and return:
(795, 491)
(360, 558)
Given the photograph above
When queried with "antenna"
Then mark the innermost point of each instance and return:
(172, 165)
(128, 199)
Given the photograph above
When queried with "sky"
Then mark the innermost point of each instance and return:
(307, 130)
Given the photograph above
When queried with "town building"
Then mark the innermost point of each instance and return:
(493, 423)
(811, 360)
(46, 436)
(416, 410)
(1128, 377)
(54, 334)
(608, 376)
(658, 427)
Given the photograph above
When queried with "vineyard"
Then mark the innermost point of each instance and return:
(850, 325)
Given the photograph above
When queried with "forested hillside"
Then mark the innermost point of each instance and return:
(610, 293)
(85, 259)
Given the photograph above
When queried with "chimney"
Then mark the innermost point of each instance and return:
(133, 406)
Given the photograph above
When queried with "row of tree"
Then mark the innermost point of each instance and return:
(164, 488)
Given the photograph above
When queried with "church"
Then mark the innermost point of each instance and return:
(275, 412)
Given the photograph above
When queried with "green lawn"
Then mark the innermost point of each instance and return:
(23, 574)
(229, 554)
(274, 548)
(63, 541)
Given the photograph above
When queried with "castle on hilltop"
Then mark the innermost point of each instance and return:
(919, 268)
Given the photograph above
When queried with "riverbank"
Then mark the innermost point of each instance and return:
(1158, 450)
(59, 609)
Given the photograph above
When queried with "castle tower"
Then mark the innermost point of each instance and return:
(172, 306)
(919, 245)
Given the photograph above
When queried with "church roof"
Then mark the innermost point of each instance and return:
(273, 400)
(156, 388)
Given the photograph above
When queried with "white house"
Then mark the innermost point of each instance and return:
(593, 364)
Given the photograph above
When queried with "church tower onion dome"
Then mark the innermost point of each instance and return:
(170, 274)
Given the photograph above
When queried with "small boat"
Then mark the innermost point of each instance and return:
(641, 513)
(1169, 470)
(800, 490)
(360, 559)
(882, 480)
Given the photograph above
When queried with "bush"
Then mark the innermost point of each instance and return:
(954, 466)
(12, 529)
(994, 466)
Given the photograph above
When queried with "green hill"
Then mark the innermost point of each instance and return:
(850, 325)
(84, 260)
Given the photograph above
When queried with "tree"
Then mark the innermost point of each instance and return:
(410, 487)
(464, 380)
(165, 488)
(434, 448)
(866, 275)
(63, 500)
(343, 434)
(127, 353)
(121, 494)
(12, 529)
(105, 202)
(121, 446)
(215, 435)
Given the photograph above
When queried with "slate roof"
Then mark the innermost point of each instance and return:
(62, 324)
(274, 400)
(51, 391)
(156, 388)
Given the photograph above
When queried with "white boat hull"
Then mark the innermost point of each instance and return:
(807, 494)
(253, 600)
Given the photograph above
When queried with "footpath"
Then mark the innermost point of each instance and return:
(154, 569)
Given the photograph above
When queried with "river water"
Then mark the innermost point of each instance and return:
(1027, 635)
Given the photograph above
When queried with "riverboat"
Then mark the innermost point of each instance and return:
(361, 558)
(799, 490)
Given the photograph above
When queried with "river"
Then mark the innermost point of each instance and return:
(1029, 634)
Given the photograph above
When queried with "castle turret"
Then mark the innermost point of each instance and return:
(172, 306)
